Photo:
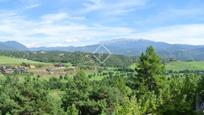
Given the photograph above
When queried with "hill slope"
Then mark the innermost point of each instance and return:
(11, 60)
(12, 45)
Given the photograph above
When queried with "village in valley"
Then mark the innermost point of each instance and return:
(58, 69)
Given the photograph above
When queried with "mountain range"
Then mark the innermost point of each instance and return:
(128, 47)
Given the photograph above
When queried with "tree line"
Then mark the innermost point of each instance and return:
(75, 58)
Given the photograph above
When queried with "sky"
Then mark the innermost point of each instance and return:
(38, 23)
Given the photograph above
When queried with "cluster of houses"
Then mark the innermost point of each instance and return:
(55, 69)
(59, 65)
(4, 69)
(60, 69)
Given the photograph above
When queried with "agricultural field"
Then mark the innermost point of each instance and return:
(181, 65)
(185, 65)
(12, 61)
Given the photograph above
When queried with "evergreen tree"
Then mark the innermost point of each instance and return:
(149, 68)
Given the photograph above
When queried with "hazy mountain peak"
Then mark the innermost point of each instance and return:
(12, 45)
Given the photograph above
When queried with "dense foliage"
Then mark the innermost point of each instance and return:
(75, 58)
(146, 90)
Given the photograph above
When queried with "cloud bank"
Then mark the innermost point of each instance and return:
(80, 26)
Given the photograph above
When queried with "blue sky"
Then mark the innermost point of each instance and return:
(80, 22)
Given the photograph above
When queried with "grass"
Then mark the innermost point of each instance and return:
(181, 65)
(12, 60)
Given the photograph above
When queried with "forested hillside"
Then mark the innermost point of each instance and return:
(75, 58)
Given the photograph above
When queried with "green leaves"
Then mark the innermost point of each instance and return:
(24, 97)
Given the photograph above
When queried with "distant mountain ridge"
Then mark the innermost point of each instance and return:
(133, 47)
(128, 47)
(13, 45)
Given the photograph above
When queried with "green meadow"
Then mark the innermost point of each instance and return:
(11, 60)
(182, 65)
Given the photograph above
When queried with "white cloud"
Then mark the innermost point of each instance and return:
(108, 7)
(36, 33)
(32, 6)
(178, 34)
(167, 15)
(71, 40)
(60, 17)
(54, 17)
(40, 33)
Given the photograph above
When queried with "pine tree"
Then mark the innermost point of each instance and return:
(149, 67)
